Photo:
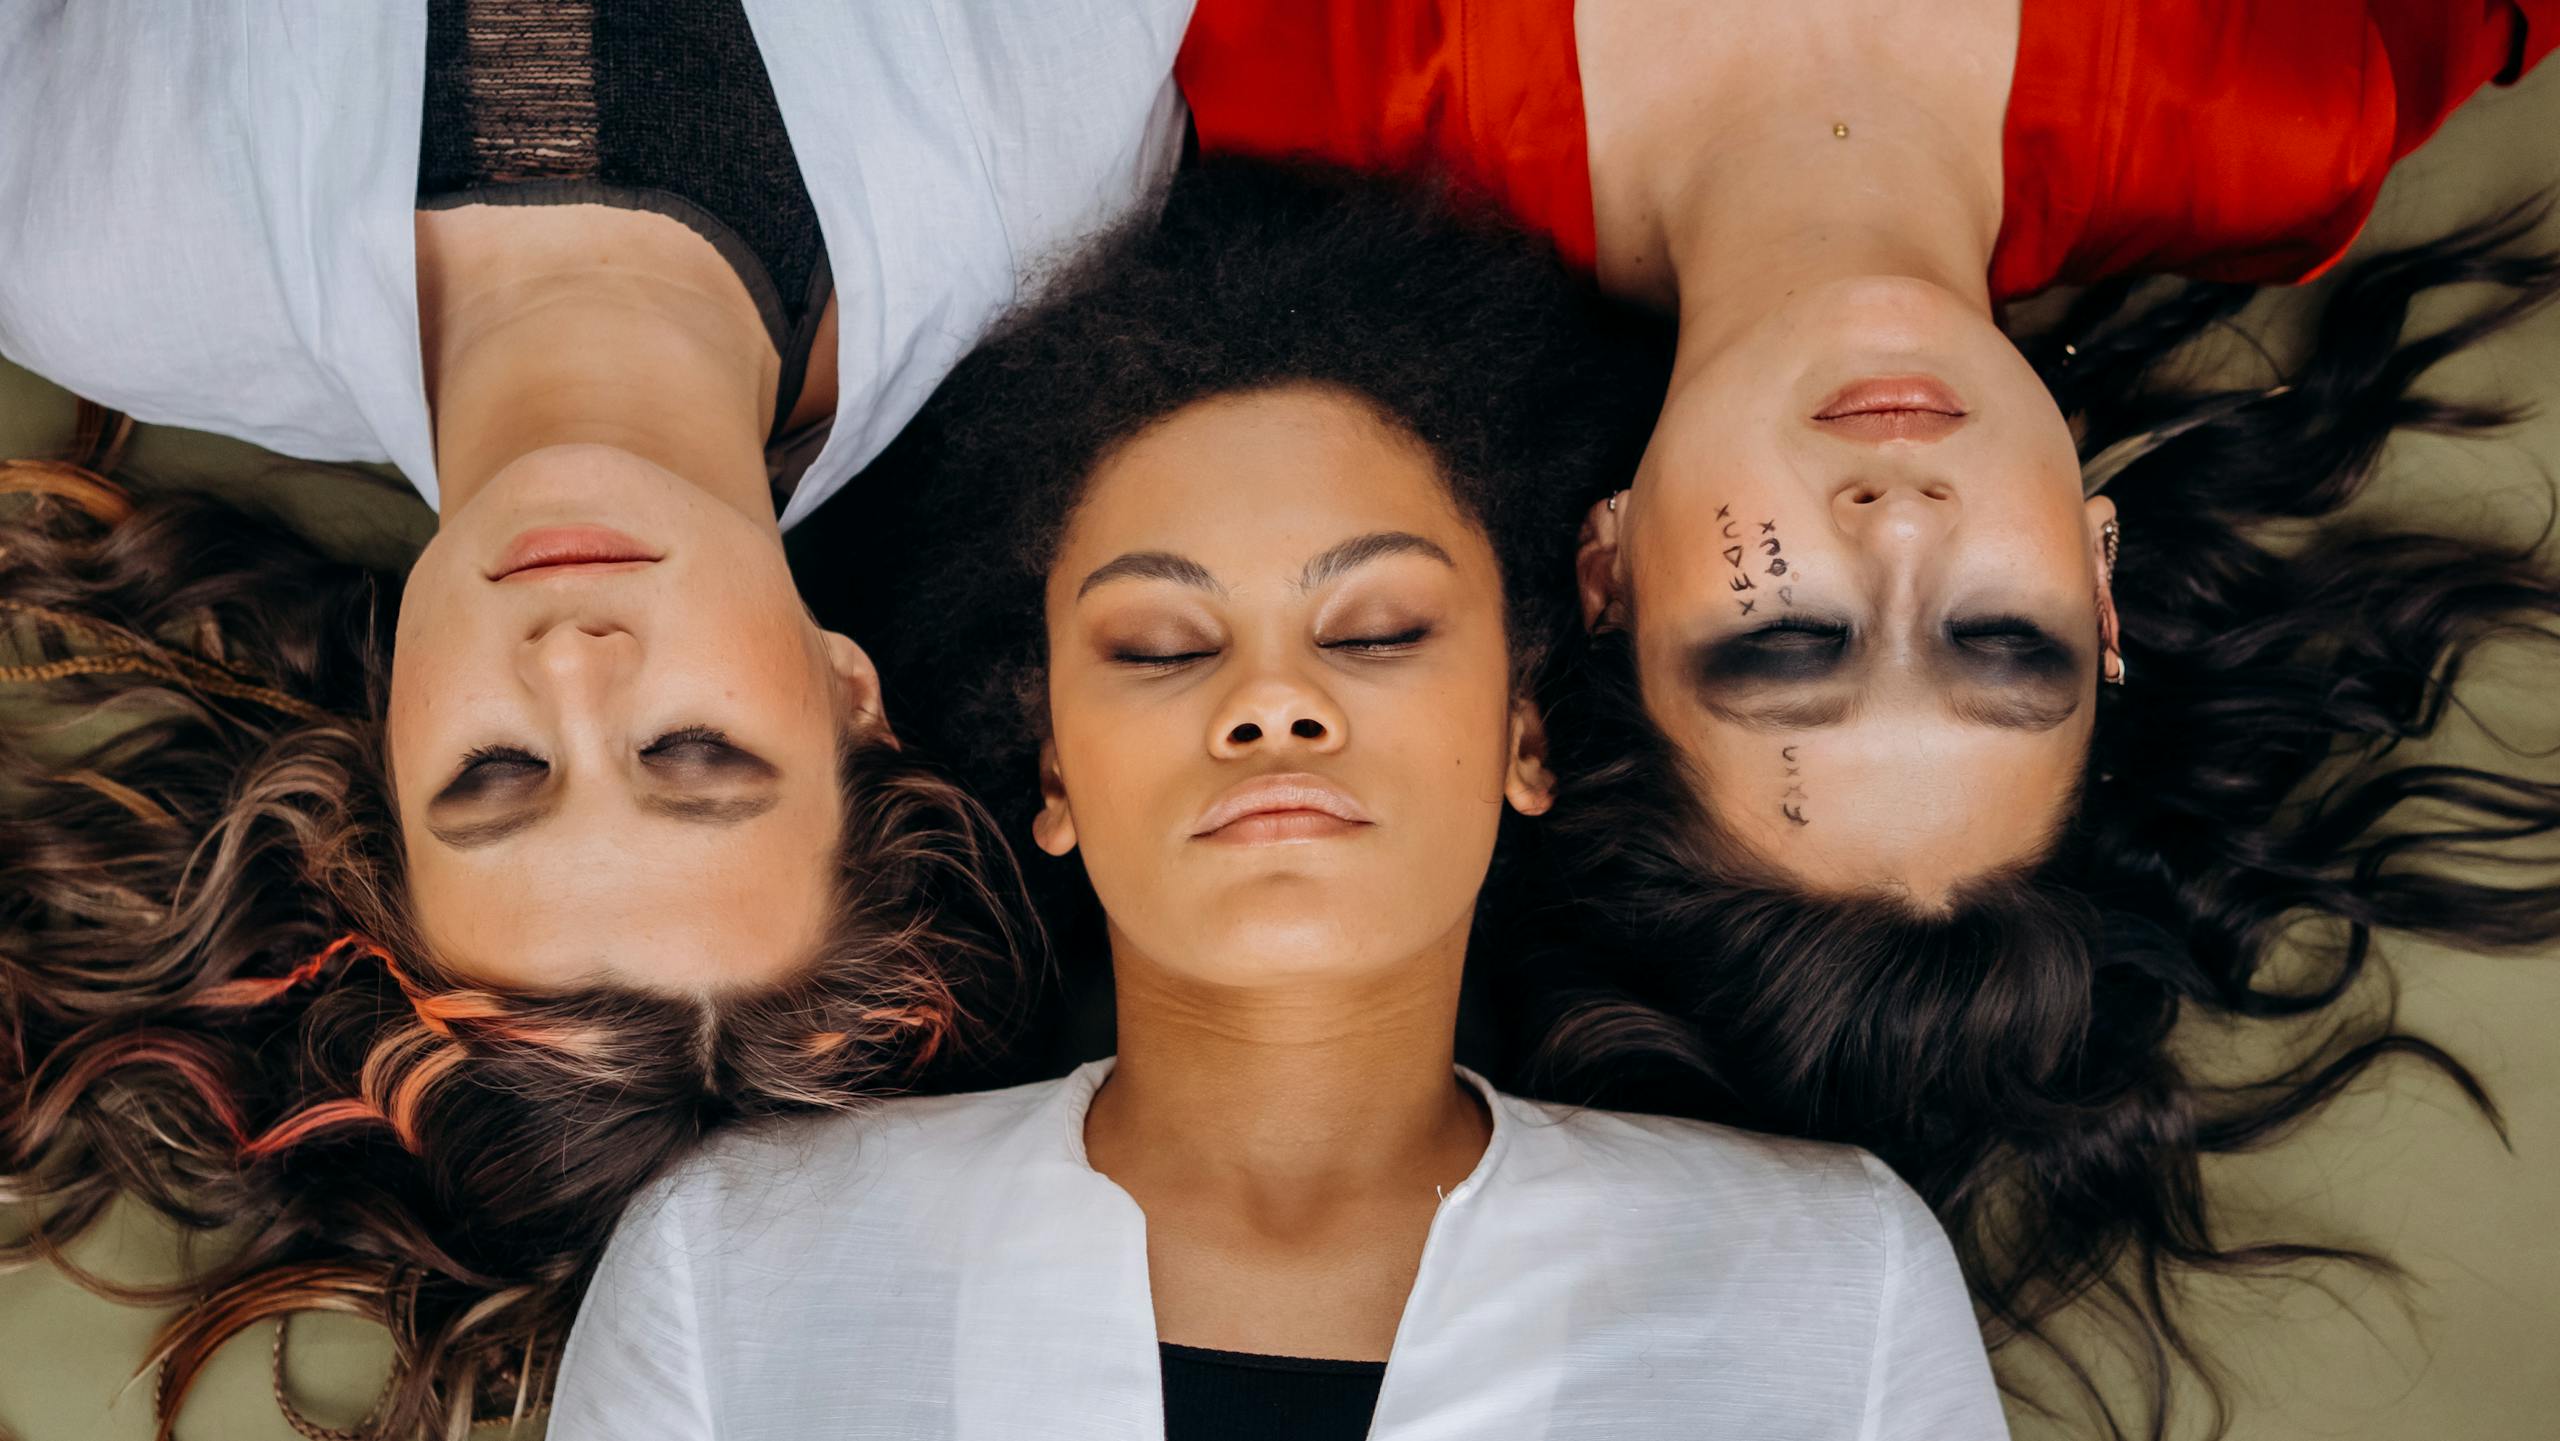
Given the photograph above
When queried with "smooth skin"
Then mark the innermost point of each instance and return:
(615, 775)
(1283, 1108)
(1891, 712)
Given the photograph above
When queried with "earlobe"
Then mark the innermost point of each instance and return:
(1595, 564)
(1054, 828)
(857, 687)
(1526, 782)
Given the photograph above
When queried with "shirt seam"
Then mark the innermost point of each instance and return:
(683, 1259)
(977, 139)
(1887, 1294)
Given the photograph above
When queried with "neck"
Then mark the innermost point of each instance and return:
(1771, 201)
(616, 334)
(1301, 1096)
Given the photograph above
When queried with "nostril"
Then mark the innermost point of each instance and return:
(1938, 490)
(1307, 730)
(1245, 734)
(1865, 496)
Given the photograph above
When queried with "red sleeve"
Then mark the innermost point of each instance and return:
(1488, 92)
(2241, 142)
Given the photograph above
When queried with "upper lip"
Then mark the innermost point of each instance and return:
(1266, 795)
(561, 546)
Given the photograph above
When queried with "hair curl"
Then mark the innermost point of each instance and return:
(213, 997)
(2008, 1052)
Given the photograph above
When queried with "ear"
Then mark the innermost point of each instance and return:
(1526, 781)
(1597, 572)
(857, 687)
(2096, 511)
(1054, 829)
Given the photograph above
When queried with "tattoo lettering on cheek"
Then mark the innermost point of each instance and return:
(1734, 554)
(1774, 550)
(1789, 799)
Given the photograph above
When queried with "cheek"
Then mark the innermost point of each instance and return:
(747, 649)
(1120, 752)
(1444, 744)
(447, 667)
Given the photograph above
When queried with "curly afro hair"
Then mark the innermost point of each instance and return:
(1457, 328)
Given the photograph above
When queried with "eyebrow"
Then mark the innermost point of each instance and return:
(2016, 707)
(691, 810)
(1787, 714)
(1152, 565)
(1334, 561)
(475, 834)
(1360, 550)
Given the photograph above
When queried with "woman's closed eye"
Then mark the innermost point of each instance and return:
(489, 767)
(2012, 640)
(699, 748)
(1797, 648)
(1158, 658)
(1381, 643)
(696, 747)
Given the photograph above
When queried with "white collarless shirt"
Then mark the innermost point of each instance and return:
(206, 206)
(951, 1267)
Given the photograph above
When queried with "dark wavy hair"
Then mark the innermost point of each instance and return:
(213, 999)
(1456, 328)
(2008, 1053)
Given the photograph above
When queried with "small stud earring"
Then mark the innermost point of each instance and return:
(1613, 501)
(2109, 534)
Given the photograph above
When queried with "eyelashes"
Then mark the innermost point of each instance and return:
(1375, 646)
(696, 745)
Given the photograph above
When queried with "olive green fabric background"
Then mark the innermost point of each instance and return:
(2470, 1351)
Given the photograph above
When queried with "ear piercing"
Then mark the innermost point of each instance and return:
(2109, 534)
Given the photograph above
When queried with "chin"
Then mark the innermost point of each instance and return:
(1263, 945)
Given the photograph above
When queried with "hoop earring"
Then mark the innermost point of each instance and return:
(2109, 536)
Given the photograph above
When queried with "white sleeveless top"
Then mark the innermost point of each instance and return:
(953, 1268)
(206, 206)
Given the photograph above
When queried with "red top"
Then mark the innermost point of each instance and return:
(2238, 141)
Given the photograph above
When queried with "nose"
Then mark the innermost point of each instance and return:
(1276, 712)
(578, 662)
(1898, 512)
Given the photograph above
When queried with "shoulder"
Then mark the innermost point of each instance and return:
(885, 1157)
(1827, 1205)
(214, 229)
(1644, 1154)
(1073, 106)
(2236, 142)
(1764, 1281)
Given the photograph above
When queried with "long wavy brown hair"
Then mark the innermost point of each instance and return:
(2250, 819)
(213, 998)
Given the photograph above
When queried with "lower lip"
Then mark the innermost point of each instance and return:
(571, 548)
(1264, 827)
